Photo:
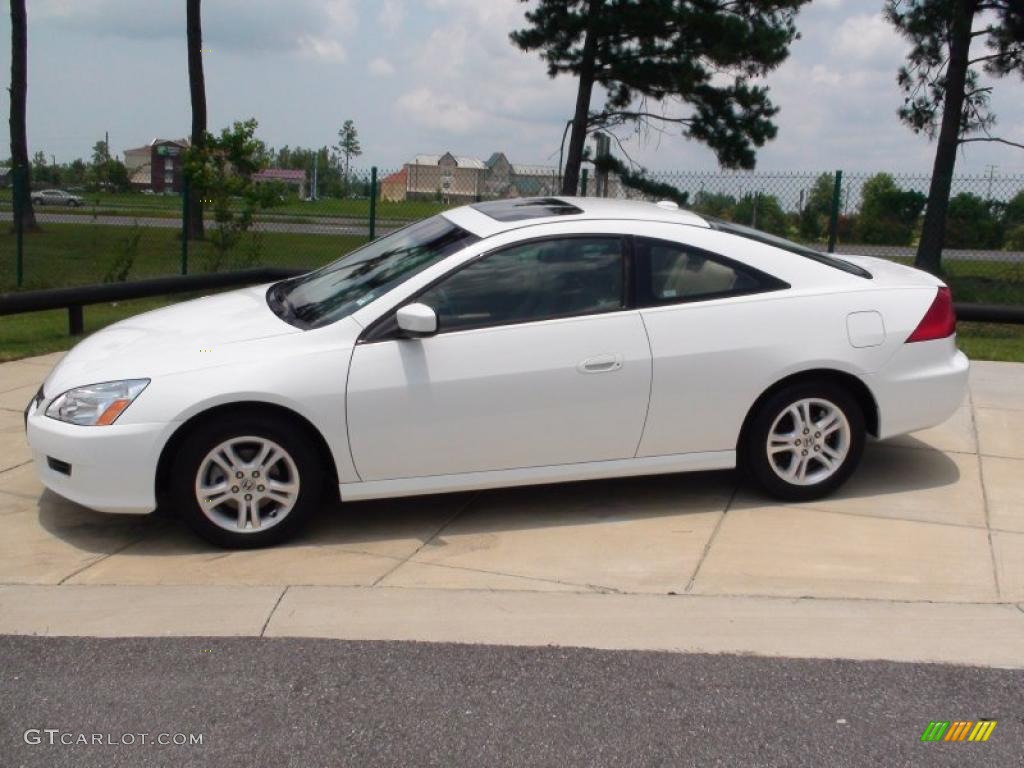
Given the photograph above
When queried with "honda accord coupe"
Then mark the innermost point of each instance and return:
(505, 343)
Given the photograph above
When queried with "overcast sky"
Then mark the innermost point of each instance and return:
(426, 76)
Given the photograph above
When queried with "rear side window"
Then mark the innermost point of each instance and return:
(671, 273)
(788, 245)
(539, 280)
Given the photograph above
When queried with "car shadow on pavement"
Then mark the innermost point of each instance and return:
(420, 520)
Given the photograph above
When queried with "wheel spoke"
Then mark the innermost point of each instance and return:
(254, 512)
(830, 423)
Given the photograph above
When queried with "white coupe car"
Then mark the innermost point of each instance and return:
(503, 343)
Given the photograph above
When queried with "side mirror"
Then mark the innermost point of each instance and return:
(416, 320)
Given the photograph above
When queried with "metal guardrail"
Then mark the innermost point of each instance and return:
(74, 299)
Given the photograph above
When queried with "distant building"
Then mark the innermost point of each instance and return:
(292, 178)
(454, 179)
(393, 187)
(158, 166)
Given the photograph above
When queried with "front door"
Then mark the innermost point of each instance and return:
(537, 362)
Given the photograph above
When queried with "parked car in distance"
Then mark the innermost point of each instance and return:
(56, 197)
(510, 342)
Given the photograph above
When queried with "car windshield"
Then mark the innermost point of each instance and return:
(332, 292)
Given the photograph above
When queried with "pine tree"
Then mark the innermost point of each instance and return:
(644, 51)
(944, 98)
(348, 145)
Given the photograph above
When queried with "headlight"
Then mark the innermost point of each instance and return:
(96, 405)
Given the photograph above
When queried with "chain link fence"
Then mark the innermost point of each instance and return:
(88, 237)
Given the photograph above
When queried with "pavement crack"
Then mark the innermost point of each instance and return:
(273, 610)
(8, 469)
(110, 554)
(711, 538)
(448, 521)
(984, 494)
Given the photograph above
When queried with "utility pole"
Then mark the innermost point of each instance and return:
(991, 176)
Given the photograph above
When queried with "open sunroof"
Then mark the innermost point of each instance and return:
(527, 208)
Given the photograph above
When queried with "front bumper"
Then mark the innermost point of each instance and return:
(112, 469)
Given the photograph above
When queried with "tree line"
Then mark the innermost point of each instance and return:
(886, 215)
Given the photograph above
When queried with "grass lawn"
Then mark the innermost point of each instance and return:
(82, 254)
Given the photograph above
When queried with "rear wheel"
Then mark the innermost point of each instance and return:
(804, 441)
(246, 482)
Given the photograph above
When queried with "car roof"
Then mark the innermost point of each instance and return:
(477, 221)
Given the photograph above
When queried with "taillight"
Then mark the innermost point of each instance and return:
(939, 321)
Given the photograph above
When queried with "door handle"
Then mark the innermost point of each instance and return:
(600, 364)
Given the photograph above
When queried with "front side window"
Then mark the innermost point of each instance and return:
(673, 273)
(540, 280)
(326, 295)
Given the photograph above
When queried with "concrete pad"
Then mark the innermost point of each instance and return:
(1004, 488)
(21, 482)
(637, 535)
(956, 434)
(797, 552)
(13, 447)
(997, 385)
(355, 544)
(16, 399)
(949, 633)
(49, 539)
(901, 483)
(135, 611)
(1009, 551)
(20, 374)
(424, 576)
(1000, 432)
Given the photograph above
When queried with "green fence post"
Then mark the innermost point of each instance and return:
(184, 227)
(584, 178)
(833, 221)
(19, 225)
(373, 203)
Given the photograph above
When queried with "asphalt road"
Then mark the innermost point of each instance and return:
(277, 702)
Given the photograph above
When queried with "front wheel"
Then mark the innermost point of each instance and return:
(804, 441)
(246, 482)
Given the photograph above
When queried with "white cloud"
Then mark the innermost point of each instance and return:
(868, 40)
(309, 27)
(427, 108)
(391, 16)
(321, 48)
(381, 67)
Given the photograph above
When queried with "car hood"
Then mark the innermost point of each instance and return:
(207, 332)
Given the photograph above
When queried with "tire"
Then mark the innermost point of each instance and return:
(799, 465)
(203, 493)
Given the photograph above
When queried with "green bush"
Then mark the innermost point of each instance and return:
(972, 223)
(888, 214)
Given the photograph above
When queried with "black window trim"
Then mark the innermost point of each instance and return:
(383, 329)
(645, 295)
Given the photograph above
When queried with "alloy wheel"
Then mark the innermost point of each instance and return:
(247, 484)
